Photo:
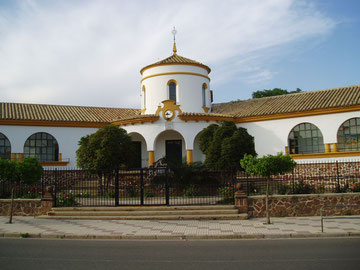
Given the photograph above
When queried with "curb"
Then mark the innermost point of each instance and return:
(178, 237)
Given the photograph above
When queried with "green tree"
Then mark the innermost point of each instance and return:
(268, 166)
(104, 152)
(273, 92)
(225, 145)
(28, 172)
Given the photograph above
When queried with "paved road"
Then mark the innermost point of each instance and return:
(336, 253)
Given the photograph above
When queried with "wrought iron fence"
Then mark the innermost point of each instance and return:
(162, 186)
(306, 178)
(147, 186)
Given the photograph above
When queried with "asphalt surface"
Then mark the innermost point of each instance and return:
(335, 253)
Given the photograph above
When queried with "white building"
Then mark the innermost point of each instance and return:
(176, 104)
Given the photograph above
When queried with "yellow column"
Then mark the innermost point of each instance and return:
(286, 150)
(60, 156)
(151, 158)
(327, 148)
(334, 147)
(21, 157)
(189, 156)
(13, 156)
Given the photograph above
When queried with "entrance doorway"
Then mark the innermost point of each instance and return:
(173, 151)
(136, 161)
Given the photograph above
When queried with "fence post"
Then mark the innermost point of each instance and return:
(247, 184)
(117, 187)
(55, 188)
(337, 176)
(141, 186)
(293, 181)
(167, 193)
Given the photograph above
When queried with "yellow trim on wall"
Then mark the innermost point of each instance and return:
(206, 87)
(175, 73)
(206, 109)
(326, 155)
(170, 81)
(140, 120)
(53, 123)
(54, 163)
(169, 105)
(151, 158)
(189, 156)
(198, 118)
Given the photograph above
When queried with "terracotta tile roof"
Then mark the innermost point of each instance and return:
(297, 102)
(176, 59)
(43, 112)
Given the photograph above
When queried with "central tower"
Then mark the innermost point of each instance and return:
(176, 80)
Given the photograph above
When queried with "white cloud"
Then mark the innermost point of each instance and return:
(90, 52)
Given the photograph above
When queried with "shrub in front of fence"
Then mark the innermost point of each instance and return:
(227, 194)
(66, 199)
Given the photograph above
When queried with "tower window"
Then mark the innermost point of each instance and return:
(204, 95)
(172, 91)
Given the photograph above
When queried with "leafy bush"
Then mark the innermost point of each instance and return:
(355, 187)
(227, 193)
(191, 191)
(67, 199)
(303, 187)
(283, 189)
(33, 193)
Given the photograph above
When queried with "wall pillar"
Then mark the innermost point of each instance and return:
(335, 147)
(13, 156)
(327, 148)
(286, 150)
(241, 201)
(189, 156)
(21, 157)
(151, 158)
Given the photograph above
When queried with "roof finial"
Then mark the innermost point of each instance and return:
(174, 33)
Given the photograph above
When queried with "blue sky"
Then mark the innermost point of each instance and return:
(90, 52)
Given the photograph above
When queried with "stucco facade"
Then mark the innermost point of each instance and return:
(176, 105)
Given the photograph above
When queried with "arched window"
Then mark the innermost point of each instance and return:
(204, 94)
(43, 146)
(348, 136)
(305, 138)
(5, 147)
(172, 91)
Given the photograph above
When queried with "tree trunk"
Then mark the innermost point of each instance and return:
(267, 201)
(12, 204)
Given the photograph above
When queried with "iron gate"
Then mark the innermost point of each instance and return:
(146, 186)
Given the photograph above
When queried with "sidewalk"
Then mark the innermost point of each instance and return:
(289, 227)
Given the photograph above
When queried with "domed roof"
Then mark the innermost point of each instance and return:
(176, 59)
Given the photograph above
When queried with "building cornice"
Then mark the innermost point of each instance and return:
(139, 120)
(175, 73)
(326, 155)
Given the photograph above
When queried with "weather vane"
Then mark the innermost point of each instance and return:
(174, 33)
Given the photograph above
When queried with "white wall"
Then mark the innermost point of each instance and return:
(67, 138)
(271, 136)
(189, 88)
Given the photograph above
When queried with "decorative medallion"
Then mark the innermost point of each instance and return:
(168, 109)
